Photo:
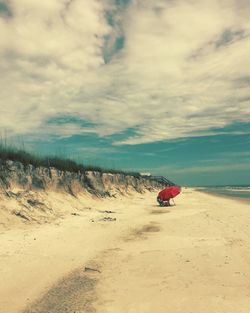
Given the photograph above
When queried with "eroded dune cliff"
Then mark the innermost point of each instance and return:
(40, 194)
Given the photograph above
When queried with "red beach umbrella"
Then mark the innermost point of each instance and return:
(169, 192)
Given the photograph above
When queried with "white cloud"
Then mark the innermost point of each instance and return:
(184, 67)
(174, 171)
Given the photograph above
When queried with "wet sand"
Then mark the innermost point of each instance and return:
(192, 257)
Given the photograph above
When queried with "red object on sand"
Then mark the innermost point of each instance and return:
(169, 192)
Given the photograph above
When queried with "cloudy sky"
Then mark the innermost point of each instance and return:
(151, 85)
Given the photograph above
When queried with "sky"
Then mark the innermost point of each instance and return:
(159, 86)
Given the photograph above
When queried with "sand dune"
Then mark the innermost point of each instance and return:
(128, 255)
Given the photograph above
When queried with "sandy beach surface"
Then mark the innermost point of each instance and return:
(127, 255)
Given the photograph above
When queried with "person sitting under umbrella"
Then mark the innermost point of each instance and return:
(166, 194)
(162, 199)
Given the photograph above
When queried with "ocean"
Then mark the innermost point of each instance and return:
(230, 191)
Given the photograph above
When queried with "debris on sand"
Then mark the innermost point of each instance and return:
(108, 219)
(107, 211)
(87, 208)
(89, 269)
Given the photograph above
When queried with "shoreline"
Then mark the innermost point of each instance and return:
(219, 195)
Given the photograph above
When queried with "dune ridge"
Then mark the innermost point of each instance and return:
(39, 194)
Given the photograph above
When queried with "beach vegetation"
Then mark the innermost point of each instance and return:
(12, 153)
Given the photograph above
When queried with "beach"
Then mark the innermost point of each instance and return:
(128, 255)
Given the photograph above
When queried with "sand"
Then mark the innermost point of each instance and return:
(193, 257)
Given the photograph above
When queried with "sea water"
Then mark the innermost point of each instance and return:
(242, 191)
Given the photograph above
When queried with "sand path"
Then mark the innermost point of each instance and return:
(194, 257)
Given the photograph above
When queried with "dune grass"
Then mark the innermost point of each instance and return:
(12, 153)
